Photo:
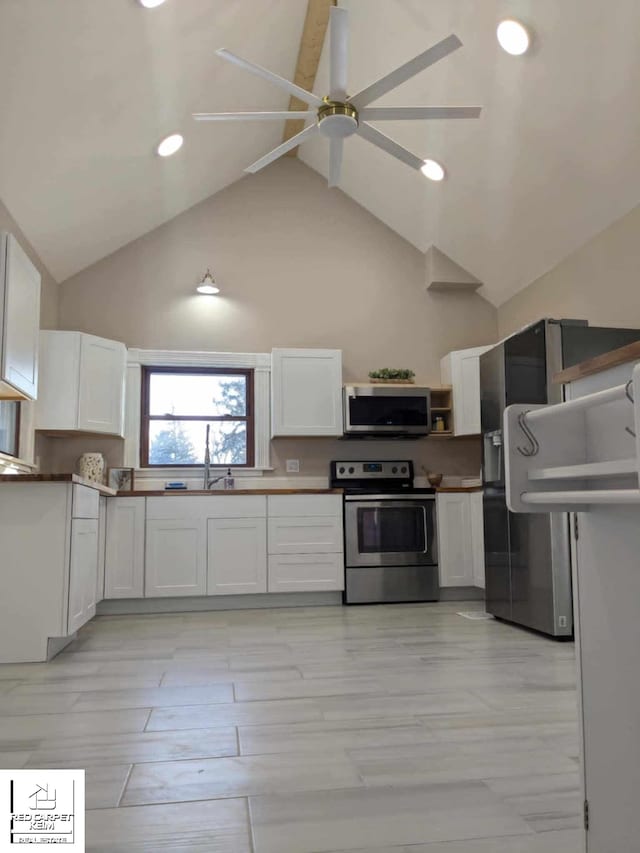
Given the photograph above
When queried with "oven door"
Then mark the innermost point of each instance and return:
(390, 531)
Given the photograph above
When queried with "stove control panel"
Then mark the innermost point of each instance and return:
(372, 470)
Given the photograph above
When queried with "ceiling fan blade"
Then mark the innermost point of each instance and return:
(282, 149)
(282, 114)
(405, 72)
(381, 141)
(259, 71)
(339, 44)
(335, 160)
(416, 113)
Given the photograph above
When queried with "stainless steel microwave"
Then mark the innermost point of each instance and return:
(394, 411)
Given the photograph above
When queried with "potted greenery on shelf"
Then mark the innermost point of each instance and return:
(396, 375)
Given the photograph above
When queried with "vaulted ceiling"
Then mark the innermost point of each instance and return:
(89, 88)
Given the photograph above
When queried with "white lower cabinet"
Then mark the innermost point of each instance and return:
(124, 551)
(174, 546)
(477, 538)
(306, 572)
(102, 538)
(175, 558)
(305, 543)
(236, 556)
(49, 566)
(302, 535)
(460, 538)
(83, 572)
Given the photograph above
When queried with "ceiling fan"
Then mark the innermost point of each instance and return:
(338, 115)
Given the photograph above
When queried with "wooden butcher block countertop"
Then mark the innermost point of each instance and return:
(140, 493)
(622, 355)
(56, 478)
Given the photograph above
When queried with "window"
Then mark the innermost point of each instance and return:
(179, 403)
(9, 427)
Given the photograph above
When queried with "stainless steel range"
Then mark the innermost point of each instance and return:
(391, 551)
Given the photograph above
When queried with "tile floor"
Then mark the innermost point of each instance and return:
(386, 729)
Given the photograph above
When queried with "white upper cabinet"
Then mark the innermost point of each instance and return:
(306, 392)
(461, 370)
(82, 382)
(19, 322)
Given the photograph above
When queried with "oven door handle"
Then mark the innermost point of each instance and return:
(426, 531)
(398, 496)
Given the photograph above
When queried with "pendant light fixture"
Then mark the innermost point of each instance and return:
(208, 286)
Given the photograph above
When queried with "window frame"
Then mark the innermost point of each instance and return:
(146, 417)
(15, 453)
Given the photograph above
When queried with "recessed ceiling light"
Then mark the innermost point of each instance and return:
(432, 170)
(170, 145)
(151, 4)
(513, 36)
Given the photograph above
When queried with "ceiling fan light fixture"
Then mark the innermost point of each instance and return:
(170, 144)
(151, 4)
(433, 170)
(513, 37)
(208, 286)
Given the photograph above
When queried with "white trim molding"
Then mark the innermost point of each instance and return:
(180, 358)
(261, 364)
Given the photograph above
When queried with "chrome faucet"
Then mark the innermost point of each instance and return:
(207, 480)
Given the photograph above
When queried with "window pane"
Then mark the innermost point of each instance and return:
(183, 442)
(197, 394)
(8, 423)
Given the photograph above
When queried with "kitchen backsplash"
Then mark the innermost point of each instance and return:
(451, 457)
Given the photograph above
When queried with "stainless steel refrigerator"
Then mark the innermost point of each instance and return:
(527, 557)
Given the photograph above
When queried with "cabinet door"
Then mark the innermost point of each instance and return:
(83, 572)
(19, 321)
(237, 556)
(300, 535)
(466, 391)
(305, 572)
(101, 394)
(306, 392)
(454, 539)
(477, 537)
(124, 551)
(175, 558)
(102, 537)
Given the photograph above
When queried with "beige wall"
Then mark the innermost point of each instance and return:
(600, 282)
(49, 292)
(298, 264)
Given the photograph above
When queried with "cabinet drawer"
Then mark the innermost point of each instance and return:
(314, 535)
(86, 502)
(305, 505)
(306, 572)
(202, 506)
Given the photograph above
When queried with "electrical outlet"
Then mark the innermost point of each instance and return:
(293, 466)
(562, 621)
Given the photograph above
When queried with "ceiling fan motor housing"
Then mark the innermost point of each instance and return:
(337, 119)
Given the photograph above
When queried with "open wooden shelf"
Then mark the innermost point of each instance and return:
(441, 407)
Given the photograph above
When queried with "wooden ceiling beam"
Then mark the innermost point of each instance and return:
(313, 35)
